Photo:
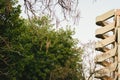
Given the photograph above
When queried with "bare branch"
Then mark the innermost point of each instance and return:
(56, 9)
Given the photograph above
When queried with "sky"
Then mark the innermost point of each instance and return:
(89, 10)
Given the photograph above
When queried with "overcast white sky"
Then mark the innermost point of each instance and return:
(89, 10)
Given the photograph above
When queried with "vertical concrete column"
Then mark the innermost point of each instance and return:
(118, 39)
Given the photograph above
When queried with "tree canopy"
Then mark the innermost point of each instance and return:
(35, 51)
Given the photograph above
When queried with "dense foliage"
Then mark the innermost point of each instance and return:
(35, 51)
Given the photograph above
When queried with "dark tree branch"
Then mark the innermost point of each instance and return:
(51, 8)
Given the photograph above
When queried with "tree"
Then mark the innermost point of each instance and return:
(52, 56)
(10, 52)
(35, 51)
(57, 10)
(88, 63)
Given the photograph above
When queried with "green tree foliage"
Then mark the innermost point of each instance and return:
(35, 51)
(52, 54)
(10, 29)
